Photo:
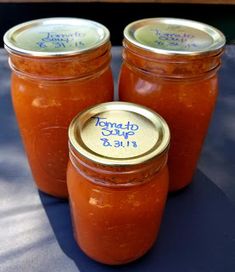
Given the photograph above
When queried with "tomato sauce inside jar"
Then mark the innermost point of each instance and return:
(171, 65)
(117, 180)
(60, 66)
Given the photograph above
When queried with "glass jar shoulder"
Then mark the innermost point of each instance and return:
(92, 88)
(117, 197)
(54, 102)
(140, 87)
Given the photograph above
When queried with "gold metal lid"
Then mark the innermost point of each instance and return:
(55, 37)
(119, 133)
(171, 36)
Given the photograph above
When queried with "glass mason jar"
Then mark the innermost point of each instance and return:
(59, 67)
(170, 66)
(117, 181)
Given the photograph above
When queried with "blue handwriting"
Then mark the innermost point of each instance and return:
(174, 39)
(118, 143)
(61, 40)
(116, 129)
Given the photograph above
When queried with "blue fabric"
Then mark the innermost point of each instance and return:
(198, 228)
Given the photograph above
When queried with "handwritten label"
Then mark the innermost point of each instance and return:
(118, 135)
(61, 40)
(183, 40)
(173, 37)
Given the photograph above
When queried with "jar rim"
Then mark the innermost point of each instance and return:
(88, 129)
(174, 36)
(55, 37)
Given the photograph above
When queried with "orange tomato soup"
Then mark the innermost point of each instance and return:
(117, 199)
(177, 77)
(49, 87)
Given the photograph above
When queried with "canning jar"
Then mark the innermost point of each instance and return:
(171, 65)
(59, 67)
(117, 180)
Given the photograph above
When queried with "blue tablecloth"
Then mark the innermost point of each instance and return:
(198, 229)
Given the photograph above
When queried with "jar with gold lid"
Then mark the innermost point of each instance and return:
(171, 65)
(117, 180)
(59, 67)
